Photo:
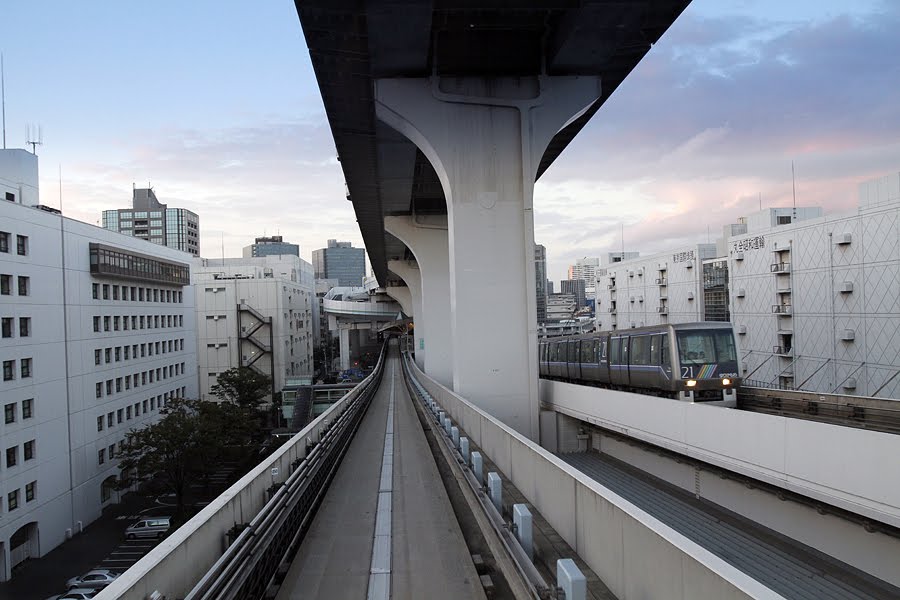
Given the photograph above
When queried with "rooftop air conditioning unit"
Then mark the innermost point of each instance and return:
(841, 239)
(850, 384)
(848, 335)
(846, 287)
(690, 295)
(742, 330)
(738, 256)
(740, 292)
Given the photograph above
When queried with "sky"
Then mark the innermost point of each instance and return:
(215, 105)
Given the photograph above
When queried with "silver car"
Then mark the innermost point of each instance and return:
(96, 579)
(152, 527)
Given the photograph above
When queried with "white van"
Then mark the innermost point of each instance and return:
(153, 527)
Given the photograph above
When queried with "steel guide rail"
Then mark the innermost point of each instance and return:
(886, 420)
(250, 564)
(536, 585)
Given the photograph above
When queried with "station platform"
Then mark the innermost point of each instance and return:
(785, 566)
(428, 554)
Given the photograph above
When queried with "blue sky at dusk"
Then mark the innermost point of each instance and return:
(215, 103)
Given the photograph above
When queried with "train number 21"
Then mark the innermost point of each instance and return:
(687, 372)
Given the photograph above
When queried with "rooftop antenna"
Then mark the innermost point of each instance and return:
(794, 189)
(3, 98)
(35, 137)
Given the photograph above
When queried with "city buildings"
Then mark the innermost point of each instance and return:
(150, 220)
(341, 261)
(585, 269)
(561, 307)
(97, 336)
(270, 246)
(575, 287)
(540, 279)
(814, 298)
(255, 313)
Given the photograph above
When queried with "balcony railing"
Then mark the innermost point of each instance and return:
(611, 309)
(781, 309)
(782, 267)
(662, 281)
(663, 310)
(782, 350)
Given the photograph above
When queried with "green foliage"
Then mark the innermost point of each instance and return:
(186, 445)
(242, 386)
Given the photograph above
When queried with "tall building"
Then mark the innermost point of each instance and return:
(561, 307)
(150, 220)
(255, 313)
(98, 334)
(575, 287)
(585, 269)
(540, 280)
(270, 246)
(341, 261)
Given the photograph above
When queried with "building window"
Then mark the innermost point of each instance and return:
(28, 449)
(7, 327)
(100, 423)
(98, 389)
(111, 451)
(12, 500)
(118, 353)
(24, 285)
(145, 406)
(5, 285)
(106, 323)
(12, 456)
(116, 323)
(22, 245)
(127, 352)
(109, 387)
(109, 419)
(26, 367)
(24, 326)
(115, 291)
(107, 354)
(30, 489)
(118, 384)
(101, 456)
(9, 413)
(137, 409)
(97, 324)
(4, 241)
(28, 408)
(119, 414)
(97, 356)
(106, 291)
(95, 291)
(9, 367)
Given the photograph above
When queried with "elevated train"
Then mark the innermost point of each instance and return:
(688, 361)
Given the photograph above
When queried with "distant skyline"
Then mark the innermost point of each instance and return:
(216, 106)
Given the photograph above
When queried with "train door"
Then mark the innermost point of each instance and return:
(603, 360)
(640, 370)
(557, 359)
(589, 367)
(574, 360)
(618, 360)
(542, 363)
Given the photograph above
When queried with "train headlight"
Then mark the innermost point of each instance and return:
(726, 381)
(691, 382)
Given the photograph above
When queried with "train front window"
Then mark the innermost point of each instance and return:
(705, 346)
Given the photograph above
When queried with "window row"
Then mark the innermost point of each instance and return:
(109, 291)
(121, 384)
(23, 285)
(117, 417)
(124, 323)
(9, 369)
(12, 453)
(10, 411)
(12, 498)
(120, 353)
(8, 327)
(21, 243)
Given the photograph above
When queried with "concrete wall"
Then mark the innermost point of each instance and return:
(181, 560)
(635, 555)
(842, 466)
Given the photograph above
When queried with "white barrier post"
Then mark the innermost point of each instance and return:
(522, 521)
(464, 448)
(495, 489)
(570, 580)
(477, 467)
(454, 433)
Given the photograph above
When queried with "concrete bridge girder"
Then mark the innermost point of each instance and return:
(426, 238)
(403, 296)
(485, 138)
(409, 272)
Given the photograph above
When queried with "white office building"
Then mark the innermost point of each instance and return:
(97, 334)
(816, 301)
(256, 313)
(655, 289)
(585, 269)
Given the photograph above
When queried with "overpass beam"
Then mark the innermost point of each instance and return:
(485, 138)
(403, 296)
(426, 237)
(409, 272)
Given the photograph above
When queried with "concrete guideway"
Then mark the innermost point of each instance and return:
(429, 557)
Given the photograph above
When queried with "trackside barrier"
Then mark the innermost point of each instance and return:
(196, 552)
(634, 554)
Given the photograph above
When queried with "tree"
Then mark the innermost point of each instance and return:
(242, 386)
(185, 445)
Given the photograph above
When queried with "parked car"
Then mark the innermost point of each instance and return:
(96, 579)
(152, 527)
(76, 594)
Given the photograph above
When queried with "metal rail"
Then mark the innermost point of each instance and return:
(251, 563)
(875, 414)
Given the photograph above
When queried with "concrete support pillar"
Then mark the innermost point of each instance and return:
(426, 237)
(409, 272)
(345, 348)
(485, 138)
(403, 296)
